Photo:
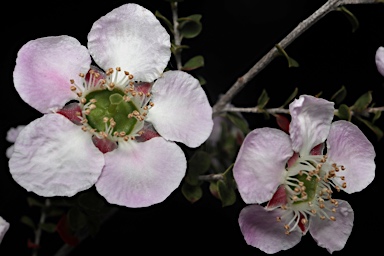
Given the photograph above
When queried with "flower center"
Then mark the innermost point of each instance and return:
(308, 187)
(113, 107)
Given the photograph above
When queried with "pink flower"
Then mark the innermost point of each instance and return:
(297, 174)
(379, 59)
(105, 126)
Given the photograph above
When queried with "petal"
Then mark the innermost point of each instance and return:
(9, 151)
(261, 229)
(182, 111)
(54, 157)
(132, 38)
(13, 133)
(379, 59)
(4, 226)
(347, 145)
(44, 68)
(311, 119)
(142, 174)
(333, 235)
(260, 164)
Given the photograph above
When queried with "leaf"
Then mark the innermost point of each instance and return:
(376, 116)
(290, 98)
(213, 189)
(166, 21)
(238, 121)
(48, 227)
(291, 62)
(28, 221)
(76, 219)
(263, 99)
(198, 164)
(178, 48)
(202, 80)
(340, 95)
(351, 17)
(362, 102)
(191, 193)
(194, 63)
(374, 128)
(344, 112)
(226, 193)
(34, 202)
(190, 26)
(91, 201)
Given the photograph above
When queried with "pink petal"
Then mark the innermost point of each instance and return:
(311, 120)
(260, 164)
(4, 226)
(132, 38)
(142, 174)
(182, 111)
(44, 68)
(347, 145)
(13, 133)
(262, 230)
(333, 235)
(379, 59)
(54, 157)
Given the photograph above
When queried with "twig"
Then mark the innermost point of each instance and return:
(329, 6)
(176, 35)
(38, 230)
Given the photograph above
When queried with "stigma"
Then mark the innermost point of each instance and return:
(113, 106)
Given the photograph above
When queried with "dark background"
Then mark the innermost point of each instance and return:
(235, 35)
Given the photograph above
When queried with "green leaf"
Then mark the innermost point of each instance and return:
(34, 202)
(48, 227)
(190, 26)
(340, 95)
(178, 48)
(76, 219)
(28, 221)
(362, 102)
(376, 116)
(198, 164)
(191, 193)
(166, 21)
(227, 194)
(194, 63)
(291, 62)
(350, 16)
(202, 80)
(374, 128)
(290, 98)
(238, 121)
(263, 99)
(344, 112)
(53, 211)
(214, 189)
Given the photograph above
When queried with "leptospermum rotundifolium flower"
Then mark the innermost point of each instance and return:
(114, 125)
(297, 174)
(379, 60)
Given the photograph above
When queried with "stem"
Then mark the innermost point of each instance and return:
(211, 177)
(329, 6)
(38, 230)
(176, 35)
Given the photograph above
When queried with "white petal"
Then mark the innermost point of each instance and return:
(142, 174)
(260, 164)
(44, 68)
(347, 145)
(311, 120)
(132, 38)
(54, 157)
(333, 235)
(182, 111)
(4, 226)
(13, 133)
(261, 230)
(379, 59)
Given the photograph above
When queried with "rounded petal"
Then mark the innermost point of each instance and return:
(182, 111)
(311, 120)
(379, 59)
(333, 235)
(54, 157)
(260, 164)
(261, 229)
(44, 68)
(132, 38)
(347, 145)
(4, 226)
(13, 133)
(142, 174)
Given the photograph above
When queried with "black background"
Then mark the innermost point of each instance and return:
(235, 35)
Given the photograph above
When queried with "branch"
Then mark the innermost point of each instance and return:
(329, 6)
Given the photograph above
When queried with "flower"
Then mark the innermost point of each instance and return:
(297, 173)
(11, 137)
(114, 125)
(4, 226)
(379, 59)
